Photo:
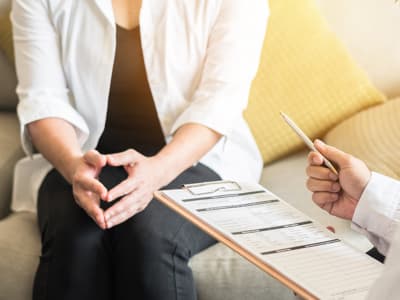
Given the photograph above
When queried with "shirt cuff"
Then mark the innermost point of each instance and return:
(34, 109)
(376, 209)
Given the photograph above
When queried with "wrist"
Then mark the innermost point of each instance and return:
(365, 182)
(71, 165)
(169, 166)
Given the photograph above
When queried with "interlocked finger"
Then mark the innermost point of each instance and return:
(89, 202)
(91, 184)
(127, 207)
(124, 188)
(128, 157)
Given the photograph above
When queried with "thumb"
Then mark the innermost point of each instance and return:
(94, 158)
(333, 154)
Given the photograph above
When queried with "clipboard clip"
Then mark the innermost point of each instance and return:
(212, 187)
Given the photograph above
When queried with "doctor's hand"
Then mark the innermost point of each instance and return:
(338, 195)
(87, 189)
(145, 176)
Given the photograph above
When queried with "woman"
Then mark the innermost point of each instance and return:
(123, 98)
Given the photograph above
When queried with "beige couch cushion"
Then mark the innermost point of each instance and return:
(19, 254)
(10, 151)
(372, 135)
(222, 274)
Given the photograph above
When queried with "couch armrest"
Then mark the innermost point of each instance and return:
(10, 152)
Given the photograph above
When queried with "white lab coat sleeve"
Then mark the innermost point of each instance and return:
(387, 286)
(377, 213)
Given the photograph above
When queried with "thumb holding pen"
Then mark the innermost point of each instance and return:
(337, 194)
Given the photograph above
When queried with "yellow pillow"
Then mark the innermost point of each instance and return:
(372, 135)
(307, 73)
(6, 41)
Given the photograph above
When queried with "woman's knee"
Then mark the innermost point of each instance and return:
(77, 242)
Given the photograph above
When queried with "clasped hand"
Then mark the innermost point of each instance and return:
(136, 190)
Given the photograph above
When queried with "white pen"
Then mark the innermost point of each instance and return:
(307, 141)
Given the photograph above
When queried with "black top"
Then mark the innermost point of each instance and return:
(132, 120)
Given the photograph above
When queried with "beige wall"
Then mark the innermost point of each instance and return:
(370, 29)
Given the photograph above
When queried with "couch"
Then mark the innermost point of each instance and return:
(369, 30)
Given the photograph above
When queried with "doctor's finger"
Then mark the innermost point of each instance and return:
(315, 185)
(315, 158)
(327, 207)
(322, 198)
(319, 172)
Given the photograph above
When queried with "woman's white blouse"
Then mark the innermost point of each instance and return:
(200, 57)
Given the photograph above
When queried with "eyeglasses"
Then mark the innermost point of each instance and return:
(211, 187)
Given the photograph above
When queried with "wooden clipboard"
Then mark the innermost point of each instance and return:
(300, 291)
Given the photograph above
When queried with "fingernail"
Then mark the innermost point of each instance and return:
(333, 176)
(334, 196)
(109, 224)
(318, 142)
(316, 160)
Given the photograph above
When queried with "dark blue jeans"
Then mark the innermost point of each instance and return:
(145, 257)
